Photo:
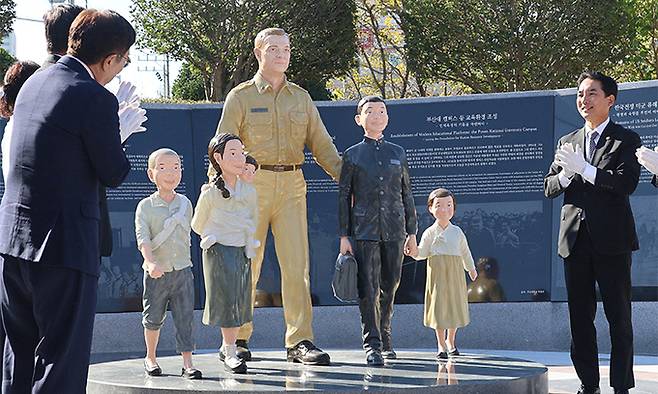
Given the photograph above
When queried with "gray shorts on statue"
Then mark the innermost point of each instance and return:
(174, 289)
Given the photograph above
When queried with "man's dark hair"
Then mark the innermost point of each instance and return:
(58, 22)
(608, 84)
(94, 35)
(368, 99)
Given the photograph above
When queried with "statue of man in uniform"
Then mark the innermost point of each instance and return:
(276, 119)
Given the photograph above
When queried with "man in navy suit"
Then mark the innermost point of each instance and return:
(66, 142)
(596, 169)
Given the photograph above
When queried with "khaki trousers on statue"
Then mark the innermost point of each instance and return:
(282, 204)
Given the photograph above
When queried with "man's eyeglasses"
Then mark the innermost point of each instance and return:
(126, 58)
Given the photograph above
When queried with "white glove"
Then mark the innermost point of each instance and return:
(207, 242)
(570, 159)
(126, 93)
(131, 117)
(566, 172)
(648, 158)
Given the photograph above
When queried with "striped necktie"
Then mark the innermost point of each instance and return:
(592, 145)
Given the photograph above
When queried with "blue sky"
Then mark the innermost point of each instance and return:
(29, 43)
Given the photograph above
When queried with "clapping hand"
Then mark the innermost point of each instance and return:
(126, 93)
(131, 117)
(648, 158)
(570, 159)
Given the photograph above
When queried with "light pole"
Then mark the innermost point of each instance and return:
(160, 66)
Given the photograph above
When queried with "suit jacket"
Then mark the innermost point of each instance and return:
(376, 174)
(105, 233)
(604, 205)
(66, 143)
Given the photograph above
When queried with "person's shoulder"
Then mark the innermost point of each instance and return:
(354, 148)
(141, 204)
(623, 133)
(298, 90)
(397, 148)
(207, 190)
(184, 199)
(430, 231)
(456, 229)
(242, 88)
(80, 88)
(570, 135)
(145, 203)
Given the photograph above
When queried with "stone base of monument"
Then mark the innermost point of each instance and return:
(411, 372)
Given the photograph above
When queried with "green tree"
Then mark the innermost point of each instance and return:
(7, 16)
(642, 60)
(189, 85)
(216, 37)
(6, 60)
(514, 45)
(381, 57)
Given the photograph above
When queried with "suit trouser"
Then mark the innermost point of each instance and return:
(379, 273)
(582, 269)
(48, 316)
(282, 204)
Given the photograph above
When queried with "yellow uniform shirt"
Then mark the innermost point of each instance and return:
(275, 127)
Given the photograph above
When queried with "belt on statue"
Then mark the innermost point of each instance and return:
(279, 167)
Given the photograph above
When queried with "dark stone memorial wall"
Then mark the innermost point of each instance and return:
(492, 151)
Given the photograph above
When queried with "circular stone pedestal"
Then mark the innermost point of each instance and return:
(412, 372)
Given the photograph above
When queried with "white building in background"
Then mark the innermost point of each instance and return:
(27, 42)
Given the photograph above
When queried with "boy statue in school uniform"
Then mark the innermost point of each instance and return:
(376, 208)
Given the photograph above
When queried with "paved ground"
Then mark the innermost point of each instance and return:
(562, 377)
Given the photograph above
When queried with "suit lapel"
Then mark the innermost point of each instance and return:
(579, 139)
(604, 144)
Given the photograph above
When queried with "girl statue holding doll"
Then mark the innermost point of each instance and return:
(226, 207)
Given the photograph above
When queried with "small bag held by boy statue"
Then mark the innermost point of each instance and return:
(344, 282)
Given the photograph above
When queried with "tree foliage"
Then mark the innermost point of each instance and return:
(216, 37)
(381, 67)
(382, 57)
(512, 45)
(7, 16)
(6, 60)
(642, 60)
(189, 85)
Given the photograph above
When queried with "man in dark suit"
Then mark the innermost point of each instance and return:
(57, 23)
(596, 169)
(66, 143)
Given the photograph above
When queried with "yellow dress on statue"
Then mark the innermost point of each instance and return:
(448, 256)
